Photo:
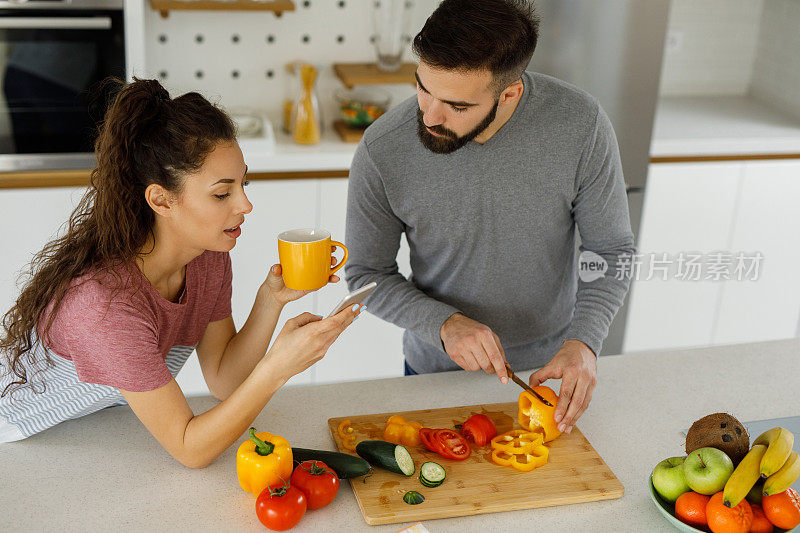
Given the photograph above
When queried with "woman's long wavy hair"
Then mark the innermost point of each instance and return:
(145, 138)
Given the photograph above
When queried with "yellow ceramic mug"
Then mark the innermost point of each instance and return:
(305, 256)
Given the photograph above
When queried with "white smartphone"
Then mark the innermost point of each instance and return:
(355, 297)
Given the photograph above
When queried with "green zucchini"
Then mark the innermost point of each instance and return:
(431, 474)
(413, 497)
(345, 465)
(392, 457)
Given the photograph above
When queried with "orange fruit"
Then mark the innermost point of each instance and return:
(760, 523)
(690, 508)
(723, 519)
(783, 509)
(534, 415)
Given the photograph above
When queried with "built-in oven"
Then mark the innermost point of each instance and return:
(54, 56)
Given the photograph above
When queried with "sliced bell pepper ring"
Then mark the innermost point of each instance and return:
(528, 461)
(520, 449)
(517, 441)
(346, 431)
(502, 457)
(479, 428)
(524, 462)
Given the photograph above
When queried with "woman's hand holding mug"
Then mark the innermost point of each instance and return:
(282, 294)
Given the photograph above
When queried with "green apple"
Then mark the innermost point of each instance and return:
(707, 470)
(669, 480)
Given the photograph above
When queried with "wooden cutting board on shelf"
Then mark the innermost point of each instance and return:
(575, 472)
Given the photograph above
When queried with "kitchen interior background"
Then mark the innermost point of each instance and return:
(242, 62)
(732, 62)
(714, 47)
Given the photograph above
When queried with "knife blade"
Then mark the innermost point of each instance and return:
(525, 386)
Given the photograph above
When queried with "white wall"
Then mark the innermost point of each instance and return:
(776, 75)
(734, 47)
(711, 46)
(174, 54)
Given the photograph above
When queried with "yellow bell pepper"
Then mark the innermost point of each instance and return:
(533, 414)
(528, 461)
(263, 460)
(401, 431)
(517, 441)
(520, 449)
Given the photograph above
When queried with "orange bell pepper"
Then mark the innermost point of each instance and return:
(401, 431)
(534, 415)
(345, 431)
(264, 459)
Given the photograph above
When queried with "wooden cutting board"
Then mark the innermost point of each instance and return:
(574, 473)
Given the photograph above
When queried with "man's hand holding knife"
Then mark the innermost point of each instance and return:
(474, 346)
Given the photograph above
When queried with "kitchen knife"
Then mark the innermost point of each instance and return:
(525, 386)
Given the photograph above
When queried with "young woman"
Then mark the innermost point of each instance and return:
(142, 277)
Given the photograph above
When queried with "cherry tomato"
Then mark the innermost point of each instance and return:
(318, 482)
(282, 508)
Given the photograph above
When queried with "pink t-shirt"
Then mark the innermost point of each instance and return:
(121, 338)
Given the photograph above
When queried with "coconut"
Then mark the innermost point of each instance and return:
(721, 431)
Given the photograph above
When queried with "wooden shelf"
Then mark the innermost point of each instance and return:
(353, 74)
(347, 133)
(277, 6)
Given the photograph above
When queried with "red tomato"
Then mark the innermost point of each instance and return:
(453, 445)
(426, 436)
(280, 509)
(318, 482)
(480, 429)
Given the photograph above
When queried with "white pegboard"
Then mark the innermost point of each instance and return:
(238, 58)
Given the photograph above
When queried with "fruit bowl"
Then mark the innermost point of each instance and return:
(668, 510)
(361, 106)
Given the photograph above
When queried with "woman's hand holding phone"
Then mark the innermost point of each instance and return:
(305, 339)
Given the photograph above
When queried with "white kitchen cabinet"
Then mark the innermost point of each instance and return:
(732, 207)
(31, 218)
(767, 221)
(688, 207)
(370, 348)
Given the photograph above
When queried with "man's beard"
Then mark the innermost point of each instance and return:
(449, 141)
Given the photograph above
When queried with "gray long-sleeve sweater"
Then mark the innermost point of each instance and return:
(491, 228)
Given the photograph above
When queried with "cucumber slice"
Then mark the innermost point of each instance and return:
(413, 497)
(431, 474)
(392, 457)
(345, 465)
(429, 485)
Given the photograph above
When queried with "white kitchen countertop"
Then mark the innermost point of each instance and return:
(331, 153)
(684, 126)
(721, 125)
(105, 472)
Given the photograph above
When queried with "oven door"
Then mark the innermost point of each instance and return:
(52, 62)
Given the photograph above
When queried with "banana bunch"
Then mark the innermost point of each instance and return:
(771, 458)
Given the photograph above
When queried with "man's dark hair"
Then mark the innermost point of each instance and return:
(495, 35)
